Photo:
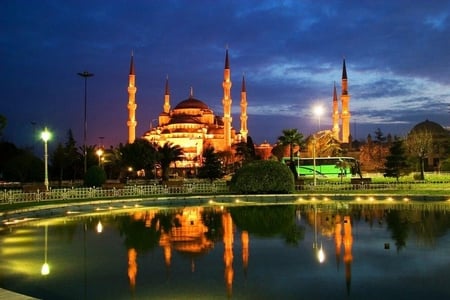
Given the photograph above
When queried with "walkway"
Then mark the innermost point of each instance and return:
(8, 295)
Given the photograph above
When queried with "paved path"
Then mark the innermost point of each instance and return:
(8, 295)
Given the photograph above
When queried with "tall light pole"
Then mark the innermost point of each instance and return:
(45, 136)
(86, 75)
(318, 111)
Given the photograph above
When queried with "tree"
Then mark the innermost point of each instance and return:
(66, 160)
(325, 143)
(291, 138)
(168, 153)
(212, 167)
(19, 164)
(140, 155)
(3, 123)
(263, 177)
(245, 151)
(95, 177)
(396, 162)
(419, 145)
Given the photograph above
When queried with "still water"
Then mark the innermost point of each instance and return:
(330, 250)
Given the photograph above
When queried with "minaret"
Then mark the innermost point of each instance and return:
(244, 130)
(132, 103)
(335, 115)
(345, 98)
(226, 102)
(166, 108)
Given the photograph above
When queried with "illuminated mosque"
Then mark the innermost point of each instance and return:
(192, 124)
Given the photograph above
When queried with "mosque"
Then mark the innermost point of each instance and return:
(194, 126)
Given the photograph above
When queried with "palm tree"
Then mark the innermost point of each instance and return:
(291, 138)
(168, 153)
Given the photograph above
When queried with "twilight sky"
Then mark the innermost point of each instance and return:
(397, 55)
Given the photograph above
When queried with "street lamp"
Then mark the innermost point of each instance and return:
(318, 112)
(45, 136)
(99, 153)
(86, 75)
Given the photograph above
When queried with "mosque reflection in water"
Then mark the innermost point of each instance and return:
(196, 232)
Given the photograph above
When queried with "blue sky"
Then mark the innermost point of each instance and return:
(397, 55)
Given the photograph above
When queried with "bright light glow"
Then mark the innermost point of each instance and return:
(405, 199)
(318, 110)
(99, 227)
(321, 255)
(99, 152)
(45, 270)
(46, 135)
(390, 199)
(371, 199)
(358, 198)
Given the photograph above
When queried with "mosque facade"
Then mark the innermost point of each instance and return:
(192, 124)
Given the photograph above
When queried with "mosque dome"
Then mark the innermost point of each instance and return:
(191, 103)
(431, 127)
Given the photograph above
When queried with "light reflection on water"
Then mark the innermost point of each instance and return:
(315, 250)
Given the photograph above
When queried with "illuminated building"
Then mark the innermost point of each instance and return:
(342, 118)
(192, 124)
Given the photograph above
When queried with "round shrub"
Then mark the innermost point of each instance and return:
(95, 176)
(263, 177)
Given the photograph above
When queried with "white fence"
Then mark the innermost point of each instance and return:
(18, 196)
(186, 188)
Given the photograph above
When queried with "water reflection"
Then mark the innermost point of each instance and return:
(272, 244)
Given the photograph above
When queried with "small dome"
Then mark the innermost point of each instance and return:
(430, 126)
(191, 103)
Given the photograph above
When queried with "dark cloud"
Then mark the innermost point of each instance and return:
(290, 52)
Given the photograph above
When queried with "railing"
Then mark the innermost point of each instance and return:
(217, 187)
(18, 196)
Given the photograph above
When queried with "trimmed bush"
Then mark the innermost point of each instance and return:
(263, 177)
(95, 176)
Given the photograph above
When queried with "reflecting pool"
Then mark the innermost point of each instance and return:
(313, 250)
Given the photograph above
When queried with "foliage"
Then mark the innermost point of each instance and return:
(3, 122)
(325, 143)
(396, 162)
(167, 154)
(140, 155)
(291, 138)
(246, 151)
(373, 153)
(66, 160)
(212, 167)
(19, 164)
(445, 166)
(263, 177)
(419, 145)
(95, 176)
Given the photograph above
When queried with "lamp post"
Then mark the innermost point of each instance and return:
(99, 153)
(314, 160)
(86, 75)
(318, 111)
(45, 136)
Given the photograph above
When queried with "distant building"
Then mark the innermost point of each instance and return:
(440, 143)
